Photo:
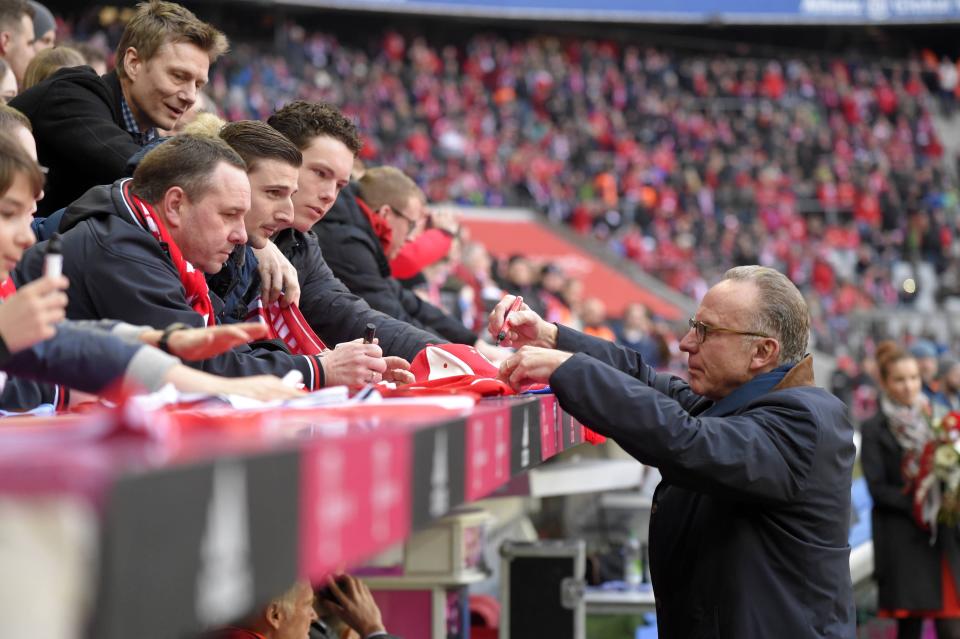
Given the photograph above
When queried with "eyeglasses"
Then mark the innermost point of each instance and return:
(702, 330)
(411, 223)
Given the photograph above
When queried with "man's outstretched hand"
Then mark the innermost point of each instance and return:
(531, 365)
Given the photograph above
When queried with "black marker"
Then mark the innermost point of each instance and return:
(369, 333)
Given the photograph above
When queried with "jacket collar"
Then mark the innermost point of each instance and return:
(789, 376)
(799, 375)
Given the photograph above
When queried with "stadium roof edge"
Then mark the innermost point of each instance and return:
(521, 14)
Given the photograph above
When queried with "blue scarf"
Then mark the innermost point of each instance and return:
(743, 395)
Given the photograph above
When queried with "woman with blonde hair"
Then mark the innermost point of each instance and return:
(916, 568)
(48, 62)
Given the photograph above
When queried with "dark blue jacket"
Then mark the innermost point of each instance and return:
(237, 284)
(78, 356)
(748, 529)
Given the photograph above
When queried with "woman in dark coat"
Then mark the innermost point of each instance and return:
(916, 577)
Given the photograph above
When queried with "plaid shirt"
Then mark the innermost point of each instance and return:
(130, 124)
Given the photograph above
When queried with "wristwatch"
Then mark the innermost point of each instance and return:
(163, 344)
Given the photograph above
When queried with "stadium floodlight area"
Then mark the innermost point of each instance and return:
(669, 11)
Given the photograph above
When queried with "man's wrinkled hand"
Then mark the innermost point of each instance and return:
(531, 365)
(525, 326)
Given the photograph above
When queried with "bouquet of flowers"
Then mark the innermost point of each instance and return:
(933, 473)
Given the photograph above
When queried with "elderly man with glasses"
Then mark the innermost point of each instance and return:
(748, 529)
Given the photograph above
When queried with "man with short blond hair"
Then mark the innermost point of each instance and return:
(87, 127)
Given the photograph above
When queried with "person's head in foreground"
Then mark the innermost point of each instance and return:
(899, 374)
(21, 183)
(163, 60)
(753, 321)
(286, 617)
(329, 142)
(17, 125)
(198, 187)
(273, 167)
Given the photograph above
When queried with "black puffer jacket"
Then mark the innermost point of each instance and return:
(353, 251)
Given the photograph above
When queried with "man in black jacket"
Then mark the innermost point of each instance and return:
(379, 213)
(87, 127)
(748, 529)
(132, 250)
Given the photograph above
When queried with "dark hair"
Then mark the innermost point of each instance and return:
(157, 23)
(10, 117)
(186, 161)
(14, 159)
(12, 11)
(302, 121)
(254, 140)
(889, 353)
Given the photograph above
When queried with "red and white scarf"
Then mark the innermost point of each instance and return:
(288, 325)
(61, 394)
(193, 280)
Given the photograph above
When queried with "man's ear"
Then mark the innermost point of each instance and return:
(274, 615)
(4, 42)
(383, 210)
(132, 64)
(766, 351)
(172, 207)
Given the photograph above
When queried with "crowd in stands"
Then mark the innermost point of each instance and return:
(312, 210)
(828, 169)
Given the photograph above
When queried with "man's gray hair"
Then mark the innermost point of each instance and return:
(782, 312)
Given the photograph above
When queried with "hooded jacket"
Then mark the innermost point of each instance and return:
(119, 271)
(749, 527)
(78, 125)
(353, 251)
